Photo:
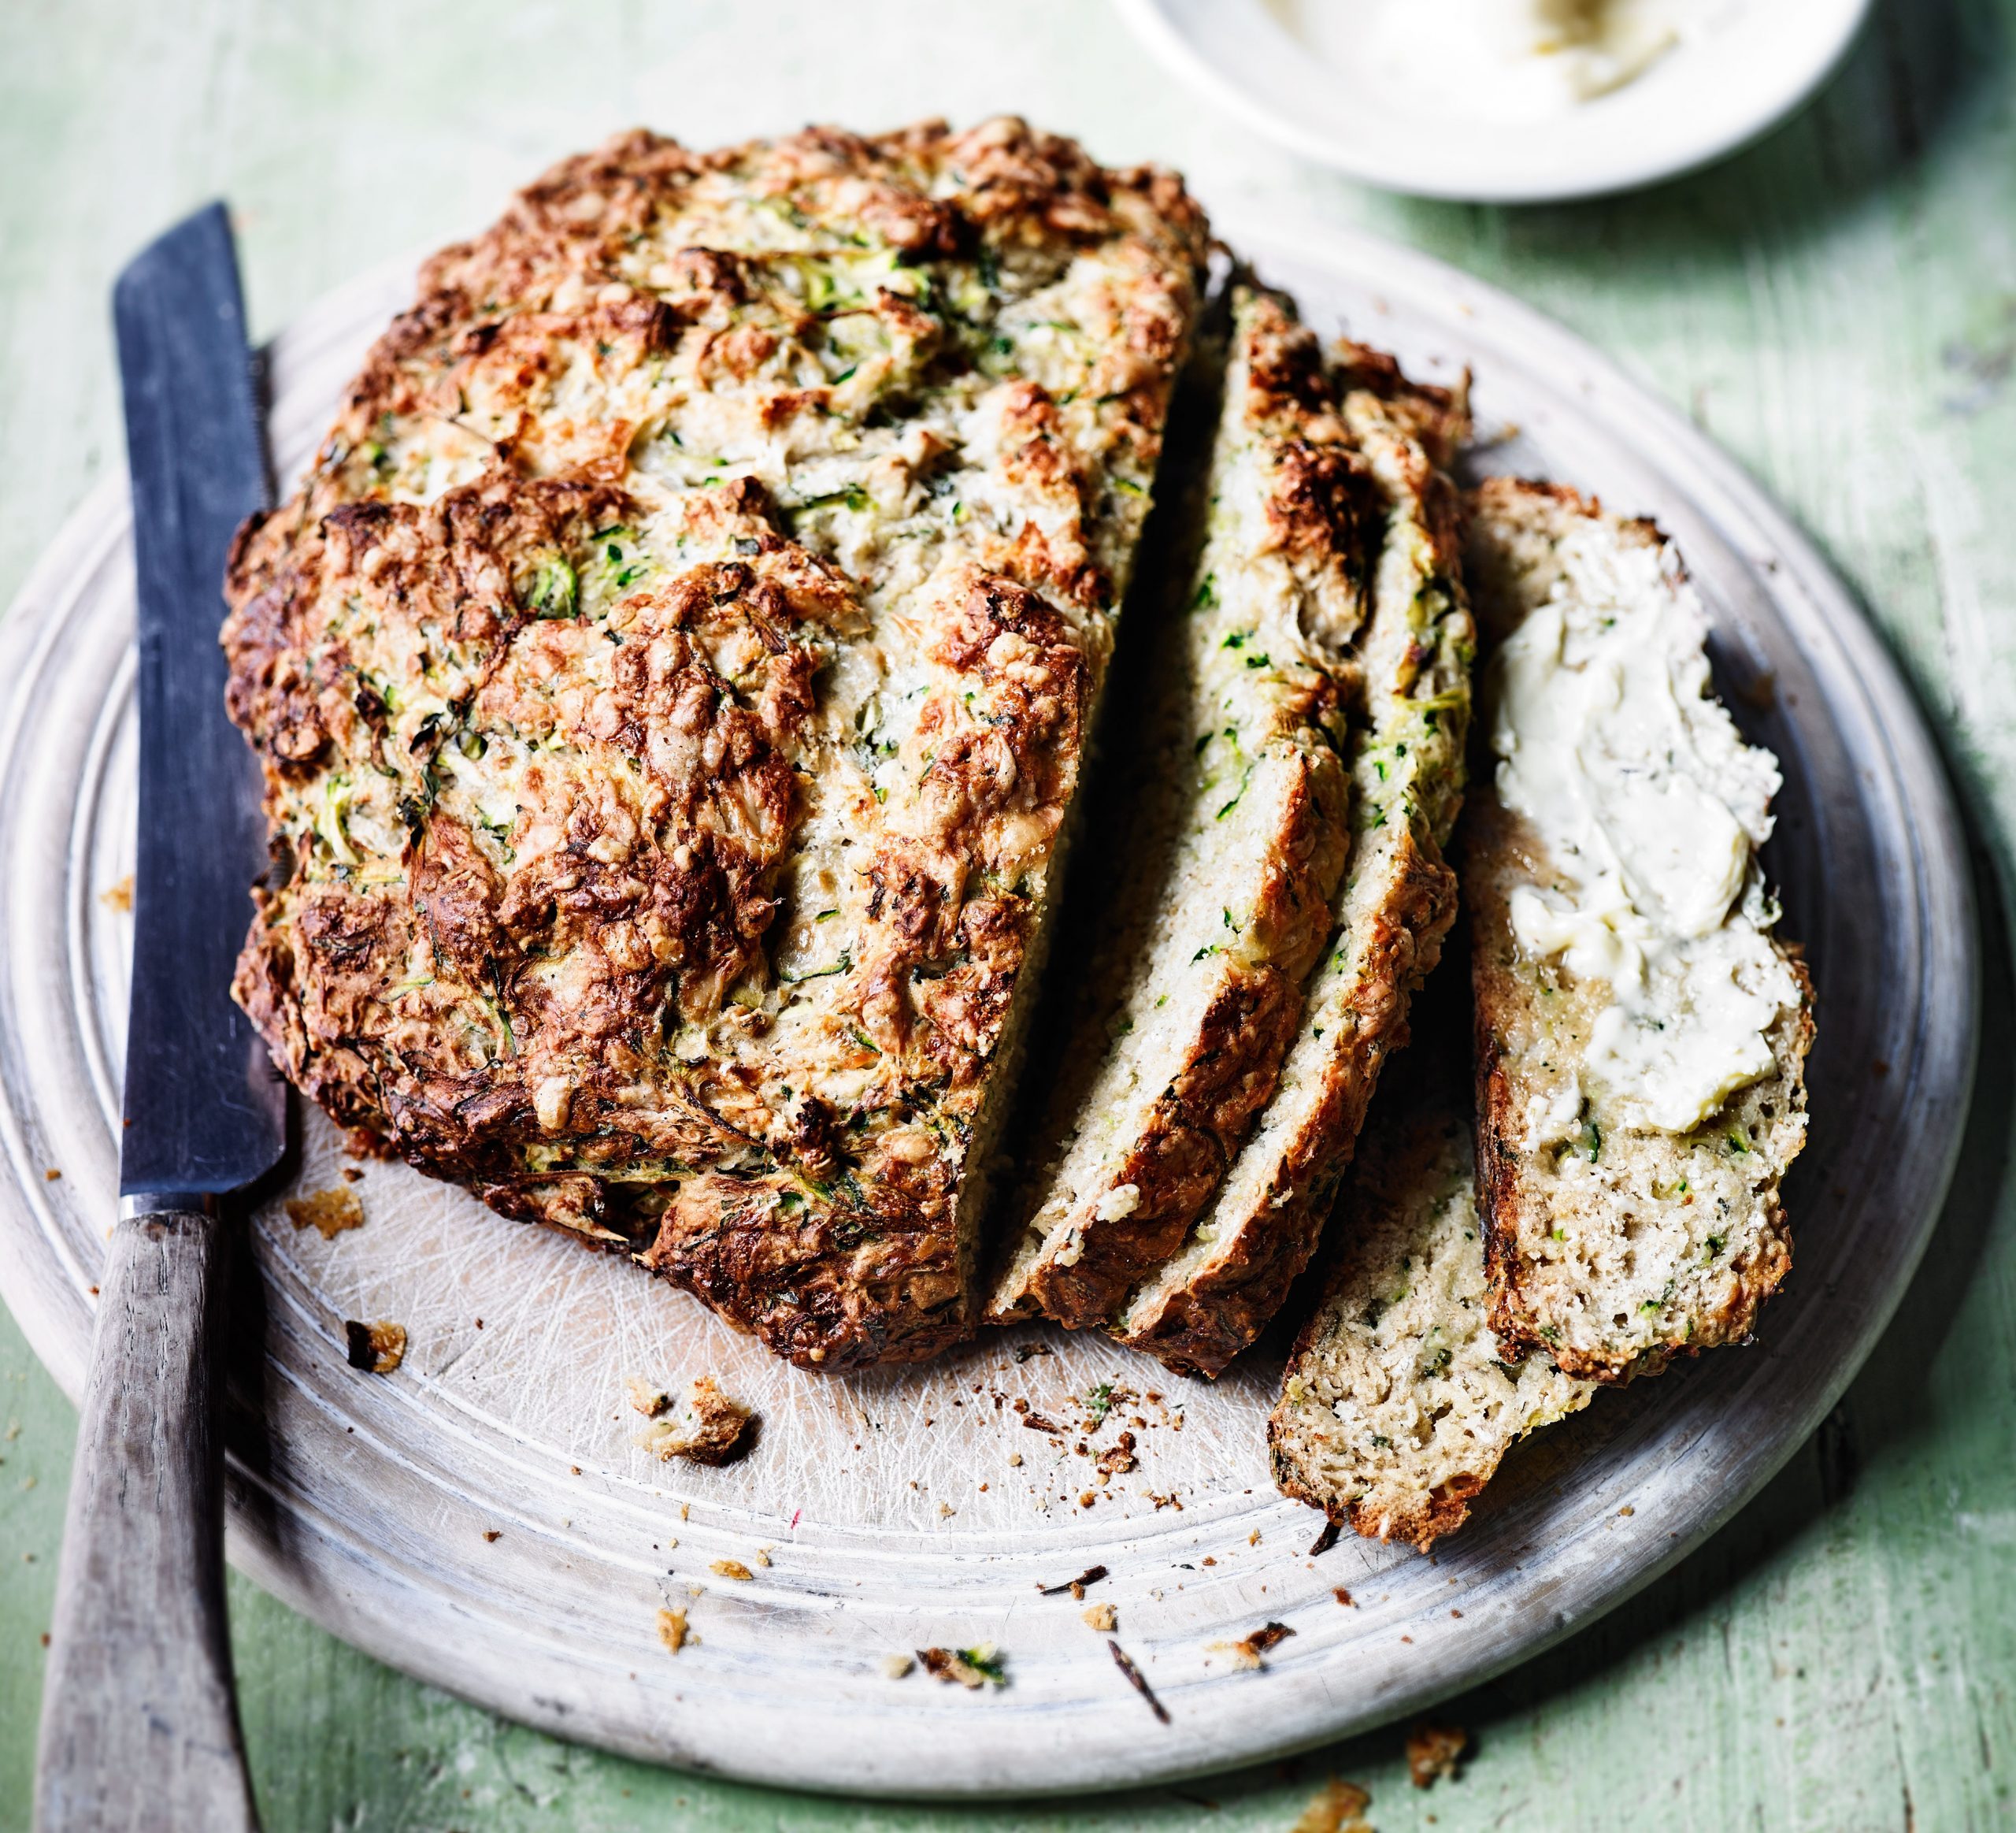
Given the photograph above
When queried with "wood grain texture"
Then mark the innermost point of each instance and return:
(1838, 306)
(139, 1733)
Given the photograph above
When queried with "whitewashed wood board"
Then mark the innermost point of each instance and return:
(906, 1508)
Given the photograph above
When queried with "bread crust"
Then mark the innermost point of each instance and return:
(672, 682)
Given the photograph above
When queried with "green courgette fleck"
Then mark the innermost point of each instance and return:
(556, 588)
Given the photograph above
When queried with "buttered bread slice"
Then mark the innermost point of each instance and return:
(1400, 1402)
(1641, 1032)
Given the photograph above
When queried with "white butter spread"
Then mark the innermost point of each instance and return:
(1650, 808)
(1510, 60)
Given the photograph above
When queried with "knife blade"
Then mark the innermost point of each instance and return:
(139, 1724)
(205, 1111)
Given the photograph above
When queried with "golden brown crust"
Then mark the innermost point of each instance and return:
(632, 624)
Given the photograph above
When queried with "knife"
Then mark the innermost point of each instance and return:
(139, 1725)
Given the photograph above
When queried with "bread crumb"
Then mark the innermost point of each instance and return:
(709, 1429)
(1253, 1539)
(761, 1556)
(1434, 1751)
(1340, 1808)
(1247, 1651)
(52, 1176)
(646, 1397)
(897, 1666)
(118, 896)
(1118, 1461)
(353, 1174)
(685, 1509)
(971, 1667)
(328, 1213)
(671, 1629)
(730, 1569)
(1014, 1459)
(1101, 1616)
(375, 1348)
(493, 1533)
(1343, 1596)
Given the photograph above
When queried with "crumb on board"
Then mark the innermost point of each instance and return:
(971, 1667)
(896, 1667)
(1118, 1460)
(1339, 1807)
(646, 1397)
(375, 1348)
(1100, 1616)
(493, 1533)
(328, 1213)
(708, 1428)
(1434, 1751)
(352, 1173)
(118, 896)
(1248, 1651)
(1343, 1596)
(730, 1569)
(671, 1629)
(52, 1175)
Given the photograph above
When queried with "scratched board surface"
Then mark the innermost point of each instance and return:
(1787, 301)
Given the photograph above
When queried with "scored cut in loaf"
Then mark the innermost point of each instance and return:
(1641, 1034)
(671, 679)
(1399, 1402)
(1282, 889)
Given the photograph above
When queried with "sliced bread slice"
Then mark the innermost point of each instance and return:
(1395, 903)
(1236, 831)
(1399, 1401)
(1641, 1034)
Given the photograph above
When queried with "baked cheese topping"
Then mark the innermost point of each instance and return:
(1650, 808)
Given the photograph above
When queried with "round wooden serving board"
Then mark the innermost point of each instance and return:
(482, 1518)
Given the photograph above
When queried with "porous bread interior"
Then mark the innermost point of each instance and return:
(1399, 1402)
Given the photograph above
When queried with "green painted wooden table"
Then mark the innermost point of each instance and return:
(1838, 306)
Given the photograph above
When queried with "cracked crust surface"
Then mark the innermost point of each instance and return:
(671, 681)
(1614, 1251)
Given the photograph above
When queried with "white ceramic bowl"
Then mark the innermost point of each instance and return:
(1700, 102)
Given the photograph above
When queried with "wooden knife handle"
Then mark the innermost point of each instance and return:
(139, 1723)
